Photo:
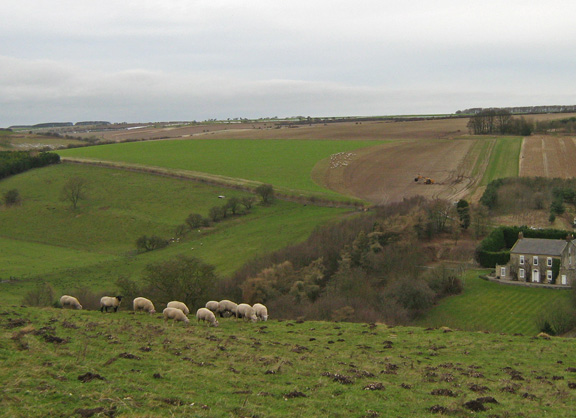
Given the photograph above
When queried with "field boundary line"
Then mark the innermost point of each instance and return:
(214, 179)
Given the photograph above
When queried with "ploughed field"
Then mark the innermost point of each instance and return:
(85, 363)
(548, 156)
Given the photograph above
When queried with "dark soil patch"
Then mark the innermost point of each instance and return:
(443, 392)
(129, 356)
(294, 394)
(487, 399)
(438, 409)
(71, 325)
(54, 339)
(101, 411)
(88, 377)
(15, 323)
(345, 380)
(475, 406)
(572, 385)
(374, 386)
(477, 388)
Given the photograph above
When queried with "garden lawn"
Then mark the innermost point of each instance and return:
(496, 307)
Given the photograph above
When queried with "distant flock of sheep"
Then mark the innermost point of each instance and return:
(178, 311)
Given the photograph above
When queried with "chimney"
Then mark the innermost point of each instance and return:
(569, 237)
(520, 235)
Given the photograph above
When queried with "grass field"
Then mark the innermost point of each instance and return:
(285, 164)
(489, 306)
(76, 363)
(43, 239)
(504, 159)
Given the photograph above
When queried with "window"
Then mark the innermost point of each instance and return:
(521, 260)
(549, 261)
(535, 260)
(521, 273)
(549, 275)
(502, 271)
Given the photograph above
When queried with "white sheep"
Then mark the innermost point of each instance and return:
(70, 301)
(110, 302)
(212, 305)
(205, 314)
(247, 312)
(261, 311)
(175, 314)
(143, 304)
(179, 305)
(226, 306)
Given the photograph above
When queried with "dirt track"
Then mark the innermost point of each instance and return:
(386, 173)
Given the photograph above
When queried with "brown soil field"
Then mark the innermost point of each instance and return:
(386, 173)
(548, 156)
(377, 130)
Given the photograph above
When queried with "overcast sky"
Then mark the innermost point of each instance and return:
(148, 60)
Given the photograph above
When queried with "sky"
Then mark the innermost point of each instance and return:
(184, 60)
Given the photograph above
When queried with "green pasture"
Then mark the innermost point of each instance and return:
(43, 239)
(504, 159)
(76, 363)
(489, 306)
(286, 164)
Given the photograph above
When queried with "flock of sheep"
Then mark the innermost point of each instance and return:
(178, 311)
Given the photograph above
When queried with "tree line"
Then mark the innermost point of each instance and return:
(498, 121)
(15, 162)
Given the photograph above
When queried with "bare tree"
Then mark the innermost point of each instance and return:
(74, 190)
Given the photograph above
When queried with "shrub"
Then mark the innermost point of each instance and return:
(146, 243)
(12, 197)
(41, 296)
(266, 193)
(195, 221)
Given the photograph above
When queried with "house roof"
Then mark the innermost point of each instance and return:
(539, 246)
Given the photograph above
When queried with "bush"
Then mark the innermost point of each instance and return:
(41, 296)
(266, 193)
(195, 221)
(146, 243)
(11, 197)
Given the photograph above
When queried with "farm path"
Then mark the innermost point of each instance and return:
(386, 173)
(548, 156)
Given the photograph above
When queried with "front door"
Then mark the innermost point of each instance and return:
(535, 276)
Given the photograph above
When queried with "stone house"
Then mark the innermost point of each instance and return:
(539, 260)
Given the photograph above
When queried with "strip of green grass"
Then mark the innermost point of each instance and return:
(283, 163)
(504, 159)
(494, 307)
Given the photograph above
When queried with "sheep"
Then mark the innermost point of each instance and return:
(110, 302)
(212, 305)
(179, 305)
(143, 304)
(175, 314)
(226, 306)
(207, 315)
(246, 311)
(70, 301)
(261, 311)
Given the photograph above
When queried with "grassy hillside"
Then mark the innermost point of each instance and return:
(285, 164)
(77, 363)
(95, 245)
(489, 306)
